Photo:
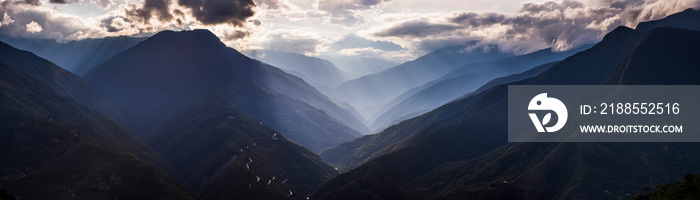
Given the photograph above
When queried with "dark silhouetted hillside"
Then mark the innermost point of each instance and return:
(220, 151)
(688, 19)
(51, 147)
(688, 189)
(61, 81)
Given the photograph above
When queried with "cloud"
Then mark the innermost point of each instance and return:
(33, 27)
(283, 9)
(347, 13)
(205, 12)
(9, 3)
(417, 29)
(30, 19)
(294, 41)
(348, 20)
(437, 43)
(159, 9)
(560, 25)
(102, 4)
(116, 24)
(38, 21)
(472, 19)
(357, 48)
(274, 4)
(353, 41)
(62, 1)
(340, 6)
(233, 12)
(6, 20)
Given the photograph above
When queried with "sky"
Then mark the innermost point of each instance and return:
(390, 31)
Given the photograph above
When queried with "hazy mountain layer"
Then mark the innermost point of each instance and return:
(352, 154)
(320, 73)
(463, 80)
(447, 157)
(75, 56)
(368, 93)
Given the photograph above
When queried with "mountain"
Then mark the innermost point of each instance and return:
(352, 154)
(591, 170)
(688, 19)
(448, 122)
(360, 65)
(61, 81)
(641, 67)
(510, 79)
(464, 153)
(52, 147)
(71, 86)
(688, 189)
(463, 80)
(368, 93)
(320, 73)
(170, 71)
(220, 152)
(77, 56)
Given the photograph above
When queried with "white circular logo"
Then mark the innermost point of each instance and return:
(542, 102)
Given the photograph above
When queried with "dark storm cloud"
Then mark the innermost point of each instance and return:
(208, 12)
(32, 2)
(8, 3)
(416, 28)
(61, 1)
(475, 20)
(234, 12)
(561, 25)
(152, 9)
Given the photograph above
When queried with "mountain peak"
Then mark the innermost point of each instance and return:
(688, 19)
(197, 37)
(618, 32)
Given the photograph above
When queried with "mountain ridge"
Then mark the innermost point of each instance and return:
(54, 147)
(413, 171)
(369, 92)
(172, 70)
(460, 81)
(441, 139)
(77, 56)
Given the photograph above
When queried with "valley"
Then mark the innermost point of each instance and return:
(190, 113)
